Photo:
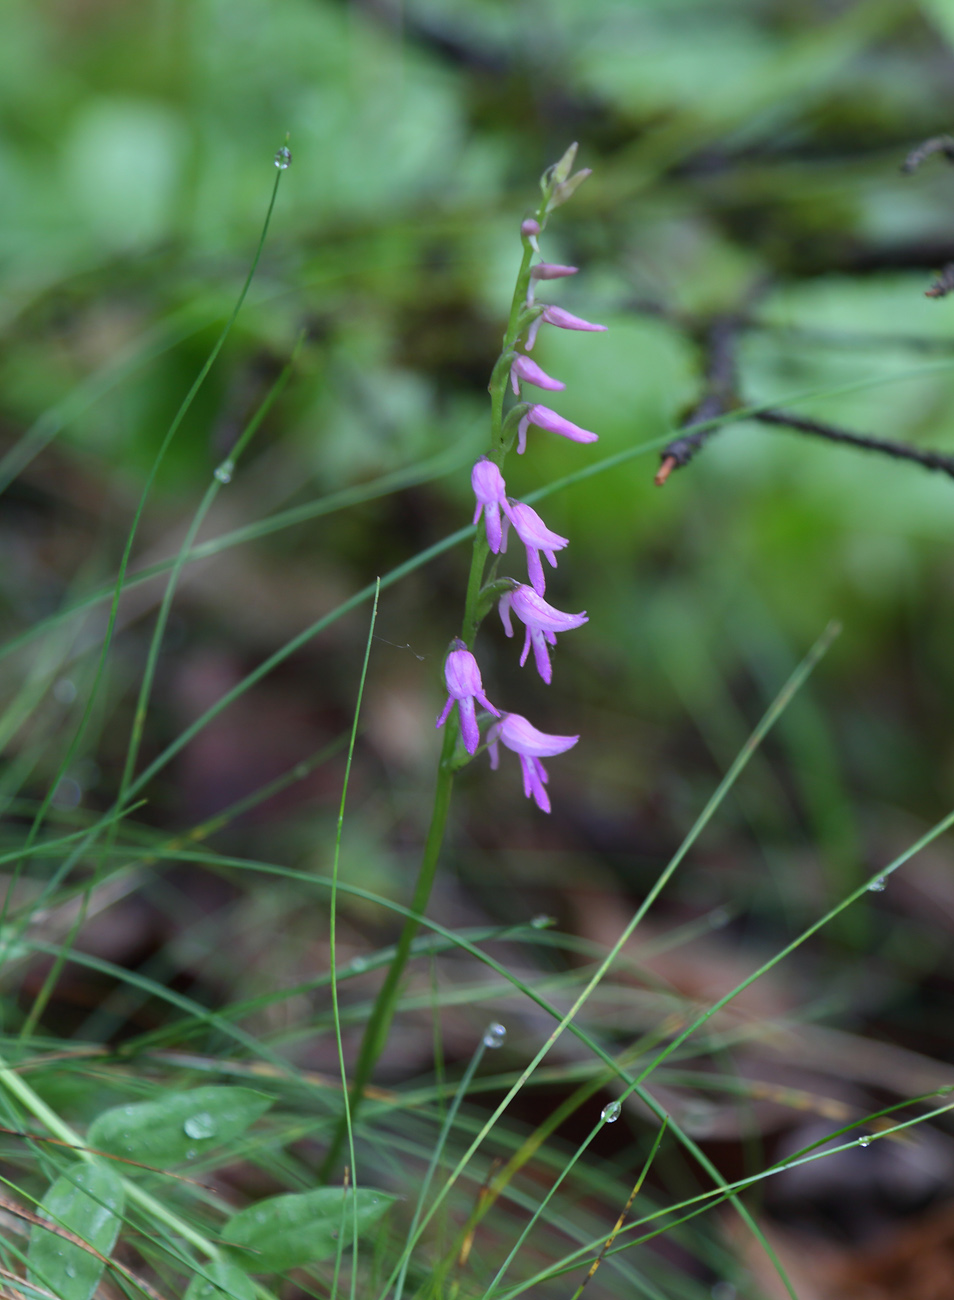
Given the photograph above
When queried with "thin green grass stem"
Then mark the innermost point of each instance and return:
(382, 1013)
(333, 943)
(541, 1208)
(647, 1165)
(775, 709)
(461, 1091)
(39, 1005)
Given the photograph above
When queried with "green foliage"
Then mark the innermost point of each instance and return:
(180, 1126)
(733, 146)
(223, 1279)
(87, 1201)
(282, 1232)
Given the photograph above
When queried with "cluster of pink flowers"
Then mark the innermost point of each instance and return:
(541, 620)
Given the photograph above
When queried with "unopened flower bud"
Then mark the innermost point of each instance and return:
(553, 422)
(529, 229)
(527, 370)
(564, 320)
(561, 170)
(568, 188)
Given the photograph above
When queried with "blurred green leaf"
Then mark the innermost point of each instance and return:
(88, 1201)
(285, 1231)
(179, 1127)
(229, 1280)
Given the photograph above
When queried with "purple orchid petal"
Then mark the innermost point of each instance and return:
(565, 320)
(542, 622)
(491, 493)
(536, 537)
(533, 331)
(522, 434)
(530, 745)
(534, 782)
(553, 422)
(503, 608)
(527, 370)
(468, 724)
(551, 271)
(462, 678)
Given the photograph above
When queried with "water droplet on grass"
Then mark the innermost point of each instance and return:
(611, 1113)
(200, 1126)
(224, 471)
(494, 1035)
(542, 922)
(864, 1141)
(359, 963)
(283, 158)
(878, 885)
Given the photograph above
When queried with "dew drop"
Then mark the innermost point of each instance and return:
(359, 963)
(542, 922)
(864, 1141)
(200, 1126)
(283, 158)
(223, 473)
(64, 691)
(611, 1113)
(878, 885)
(494, 1035)
(70, 1270)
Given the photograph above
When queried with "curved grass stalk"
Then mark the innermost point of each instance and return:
(333, 941)
(460, 1092)
(40, 1002)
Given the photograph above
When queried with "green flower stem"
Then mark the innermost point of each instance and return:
(382, 1013)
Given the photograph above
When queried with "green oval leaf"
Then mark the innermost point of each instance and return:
(230, 1283)
(88, 1201)
(285, 1231)
(180, 1126)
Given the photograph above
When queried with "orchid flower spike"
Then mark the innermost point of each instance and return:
(536, 537)
(544, 418)
(491, 493)
(564, 320)
(462, 676)
(542, 622)
(546, 271)
(530, 745)
(527, 370)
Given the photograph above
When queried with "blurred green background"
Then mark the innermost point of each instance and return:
(732, 144)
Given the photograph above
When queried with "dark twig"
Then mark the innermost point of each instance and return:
(944, 283)
(937, 144)
(718, 398)
(934, 460)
